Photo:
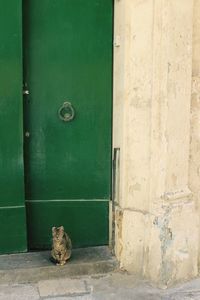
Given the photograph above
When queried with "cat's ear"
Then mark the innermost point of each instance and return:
(61, 228)
(53, 229)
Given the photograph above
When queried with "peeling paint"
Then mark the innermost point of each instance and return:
(118, 222)
(166, 239)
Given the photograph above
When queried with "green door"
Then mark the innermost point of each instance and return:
(67, 119)
(12, 207)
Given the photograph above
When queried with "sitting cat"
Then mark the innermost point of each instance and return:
(61, 247)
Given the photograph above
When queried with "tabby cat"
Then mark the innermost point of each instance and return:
(61, 246)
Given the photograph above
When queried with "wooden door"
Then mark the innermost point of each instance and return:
(67, 119)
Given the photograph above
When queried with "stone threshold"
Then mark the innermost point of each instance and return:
(34, 266)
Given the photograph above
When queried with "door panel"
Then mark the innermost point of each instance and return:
(68, 57)
(86, 221)
(12, 207)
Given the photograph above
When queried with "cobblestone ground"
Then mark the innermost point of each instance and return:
(105, 287)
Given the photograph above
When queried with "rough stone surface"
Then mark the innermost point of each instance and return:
(19, 292)
(42, 259)
(157, 222)
(35, 266)
(114, 286)
(61, 287)
(194, 166)
(86, 297)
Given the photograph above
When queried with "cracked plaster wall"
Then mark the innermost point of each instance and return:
(155, 213)
(194, 170)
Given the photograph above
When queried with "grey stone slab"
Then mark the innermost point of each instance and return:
(185, 291)
(114, 280)
(120, 281)
(125, 294)
(61, 287)
(19, 292)
(183, 296)
(41, 259)
(36, 266)
(85, 297)
(121, 286)
(191, 286)
(117, 286)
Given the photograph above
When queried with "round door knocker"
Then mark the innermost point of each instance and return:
(66, 112)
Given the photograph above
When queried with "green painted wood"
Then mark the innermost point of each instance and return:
(68, 57)
(13, 230)
(12, 211)
(86, 228)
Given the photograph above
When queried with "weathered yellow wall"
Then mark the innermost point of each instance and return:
(156, 216)
(194, 170)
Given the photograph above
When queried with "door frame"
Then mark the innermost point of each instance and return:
(114, 129)
(113, 182)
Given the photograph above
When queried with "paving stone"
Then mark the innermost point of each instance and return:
(181, 296)
(115, 286)
(121, 286)
(61, 287)
(19, 292)
(125, 294)
(85, 297)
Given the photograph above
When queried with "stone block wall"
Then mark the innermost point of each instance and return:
(156, 216)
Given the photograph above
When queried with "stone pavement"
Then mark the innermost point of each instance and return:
(116, 285)
(32, 267)
(91, 274)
